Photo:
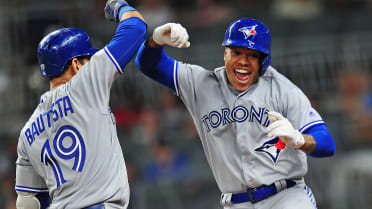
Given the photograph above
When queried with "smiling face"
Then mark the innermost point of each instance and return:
(242, 66)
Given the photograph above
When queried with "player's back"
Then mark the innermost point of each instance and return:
(71, 143)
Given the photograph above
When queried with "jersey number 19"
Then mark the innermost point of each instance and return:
(67, 144)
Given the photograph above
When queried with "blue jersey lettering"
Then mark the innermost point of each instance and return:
(67, 105)
(52, 115)
(59, 107)
(34, 130)
(239, 114)
(40, 123)
(29, 136)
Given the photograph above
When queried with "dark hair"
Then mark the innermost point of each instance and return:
(69, 63)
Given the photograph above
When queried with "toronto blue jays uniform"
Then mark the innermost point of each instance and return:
(251, 169)
(69, 146)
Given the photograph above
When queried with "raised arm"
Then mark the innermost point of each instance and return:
(151, 58)
(129, 35)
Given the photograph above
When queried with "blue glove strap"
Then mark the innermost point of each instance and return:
(123, 9)
(117, 5)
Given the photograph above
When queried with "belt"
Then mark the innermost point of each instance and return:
(257, 194)
(100, 206)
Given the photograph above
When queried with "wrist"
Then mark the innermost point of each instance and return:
(309, 144)
(300, 140)
(124, 8)
(152, 43)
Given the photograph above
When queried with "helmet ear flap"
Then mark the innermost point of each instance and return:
(264, 63)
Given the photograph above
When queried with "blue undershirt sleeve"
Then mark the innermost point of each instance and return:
(125, 9)
(325, 146)
(129, 35)
(157, 65)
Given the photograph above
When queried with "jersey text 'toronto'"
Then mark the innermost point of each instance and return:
(238, 114)
(61, 108)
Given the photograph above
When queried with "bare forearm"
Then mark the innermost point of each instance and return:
(310, 144)
(130, 14)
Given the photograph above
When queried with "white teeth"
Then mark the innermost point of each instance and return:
(241, 71)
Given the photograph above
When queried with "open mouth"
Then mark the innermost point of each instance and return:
(242, 75)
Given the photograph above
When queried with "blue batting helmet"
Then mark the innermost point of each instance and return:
(59, 47)
(252, 34)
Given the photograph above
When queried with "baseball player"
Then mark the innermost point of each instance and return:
(256, 127)
(68, 152)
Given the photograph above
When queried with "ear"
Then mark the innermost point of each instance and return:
(75, 65)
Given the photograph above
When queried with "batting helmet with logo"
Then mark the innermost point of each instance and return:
(57, 48)
(252, 34)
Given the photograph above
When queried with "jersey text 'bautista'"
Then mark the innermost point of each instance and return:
(60, 108)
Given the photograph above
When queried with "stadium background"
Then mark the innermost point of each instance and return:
(325, 47)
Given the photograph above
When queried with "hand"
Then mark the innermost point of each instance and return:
(112, 9)
(171, 34)
(282, 128)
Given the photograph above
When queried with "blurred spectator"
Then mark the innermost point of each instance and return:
(126, 117)
(149, 126)
(297, 9)
(173, 114)
(7, 189)
(166, 165)
(167, 176)
(138, 139)
(8, 155)
(356, 103)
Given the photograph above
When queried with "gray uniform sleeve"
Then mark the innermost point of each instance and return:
(91, 85)
(27, 180)
(188, 77)
(298, 110)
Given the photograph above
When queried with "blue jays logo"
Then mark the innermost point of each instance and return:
(272, 148)
(248, 31)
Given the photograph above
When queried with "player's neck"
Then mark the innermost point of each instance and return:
(64, 78)
(55, 83)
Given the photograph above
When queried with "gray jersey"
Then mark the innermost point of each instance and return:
(69, 146)
(232, 125)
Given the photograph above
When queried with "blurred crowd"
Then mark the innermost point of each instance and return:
(164, 157)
